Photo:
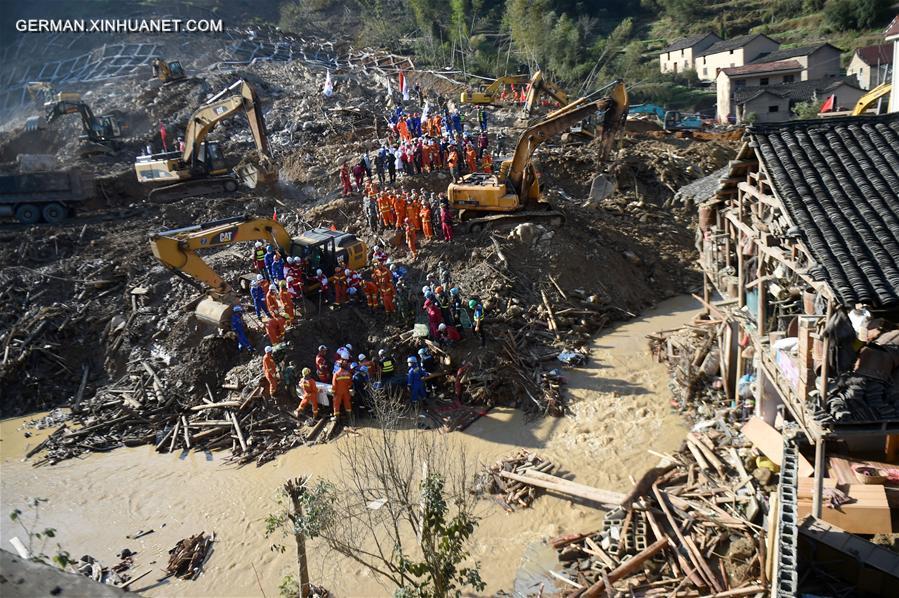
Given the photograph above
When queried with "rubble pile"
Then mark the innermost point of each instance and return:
(508, 492)
(189, 554)
(695, 523)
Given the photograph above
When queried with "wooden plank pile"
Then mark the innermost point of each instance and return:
(508, 491)
(140, 409)
(188, 555)
(688, 529)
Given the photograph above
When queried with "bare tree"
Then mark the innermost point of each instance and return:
(399, 506)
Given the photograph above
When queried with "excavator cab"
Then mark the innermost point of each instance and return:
(211, 159)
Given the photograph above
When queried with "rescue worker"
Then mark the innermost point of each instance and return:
(386, 366)
(341, 382)
(270, 371)
(289, 378)
(237, 326)
(345, 179)
(371, 367)
(446, 222)
(399, 209)
(385, 207)
(340, 282)
(274, 328)
(322, 286)
(371, 293)
(277, 267)
(358, 175)
(477, 317)
(426, 225)
(258, 295)
(427, 361)
(448, 335)
(388, 292)
(456, 305)
(435, 316)
(259, 258)
(322, 367)
(414, 381)
(287, 302)
(453, 162)
(487, 163)
(271, 299)
(471, 158)
(310, 393)
(268, 259)
(410, 239)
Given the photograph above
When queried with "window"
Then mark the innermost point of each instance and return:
(774, 108)
(740, 83)
(763, 81)
(705, 72)
(732, 65)
(668, 57)
(789, 78)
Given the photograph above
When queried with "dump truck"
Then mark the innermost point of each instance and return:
(51, 197)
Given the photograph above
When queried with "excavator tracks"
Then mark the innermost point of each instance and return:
(548, 217)
(193, 188)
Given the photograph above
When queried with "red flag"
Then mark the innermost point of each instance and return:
(828, 104)
(275, 215)
(162, 134)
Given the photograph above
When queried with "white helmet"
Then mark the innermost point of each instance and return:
(289, 259)
(442, 327)
(347, 272)
(348, 347)
(376, 248)
(425, 290)
(362, 357)
(269, 349)
(258, 277)
(318, 272)
(382, 353)
(258, 244)
(322, 348)
(290, 279)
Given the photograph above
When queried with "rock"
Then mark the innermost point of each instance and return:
(600, 188)
(632, 257)
(525, 232)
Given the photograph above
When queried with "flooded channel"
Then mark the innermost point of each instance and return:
(621, 409)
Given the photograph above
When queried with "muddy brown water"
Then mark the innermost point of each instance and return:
(621, 409)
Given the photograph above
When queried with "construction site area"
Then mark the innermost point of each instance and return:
(282, 314)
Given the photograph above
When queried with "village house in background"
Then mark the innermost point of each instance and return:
(892, 36)
(730, 53)
(800, 243)
(872, 65)
(680, 55)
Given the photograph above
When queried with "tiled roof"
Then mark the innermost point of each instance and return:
(731, 44)
(763, 67)
(893, 28)
(797, 91)
(838, 181)
(874, 55)
(688, 42)
(787, 53)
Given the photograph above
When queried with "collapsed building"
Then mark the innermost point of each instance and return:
(799, 246)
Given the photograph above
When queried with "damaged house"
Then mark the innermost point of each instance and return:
(800, 251)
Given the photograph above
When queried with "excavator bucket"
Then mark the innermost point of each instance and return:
(212, 312)
(35, 123)
(253, 175)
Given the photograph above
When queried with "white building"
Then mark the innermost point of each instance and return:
(680, 55)
(735, 52)
(892, 35)
(872, 65)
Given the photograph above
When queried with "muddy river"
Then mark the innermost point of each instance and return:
(621, 409)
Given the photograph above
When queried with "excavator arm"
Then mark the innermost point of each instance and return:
(177, 249)
(238, 97)
(540, 84)
(868, 100)
(613, 106)
(489, 93)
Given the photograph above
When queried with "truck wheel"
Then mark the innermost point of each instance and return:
(230, 186)
(54, 213)
(28, 214)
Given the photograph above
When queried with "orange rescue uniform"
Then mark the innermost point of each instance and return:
(287, 302)
(426, 224)
(274, 328)
(270, 370)
(410, 240)
(310, 395)
(371, 293)
(271, 300)
(341, 383)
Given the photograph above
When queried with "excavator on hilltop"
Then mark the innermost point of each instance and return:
(320, 248)
(514, 195)
(200, 168)
(100, 134)
(168, 72)
(490, 93)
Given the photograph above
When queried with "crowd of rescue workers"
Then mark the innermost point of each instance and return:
(417, 144)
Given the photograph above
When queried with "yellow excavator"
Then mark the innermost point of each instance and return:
(538, 85)
(490, 93)
(200, 168)
(99, 134)
(869, 99)
(514, 195)
(168, 72)
(320, 248)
